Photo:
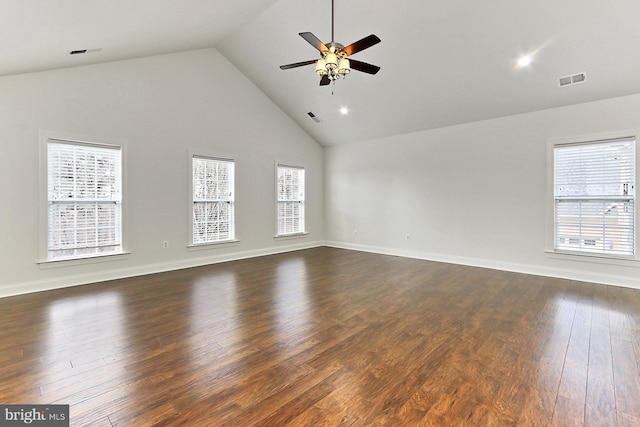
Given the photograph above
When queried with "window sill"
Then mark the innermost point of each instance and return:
(212, 245)
(290, 236)
(594, 258)
(69, 262)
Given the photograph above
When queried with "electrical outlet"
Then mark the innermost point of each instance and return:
(406, 236)
(165, 244)
(355, 231)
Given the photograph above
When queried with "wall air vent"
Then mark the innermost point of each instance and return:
(313, 116)
(82, 51)
(572, 80)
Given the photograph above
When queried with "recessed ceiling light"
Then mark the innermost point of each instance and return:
(524, 61)
(344, 111)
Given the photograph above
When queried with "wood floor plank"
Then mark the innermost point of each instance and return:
(626, 377)
(300, 397)
(327, 337)
(567, 413)
(600, 408)
(573, 383)
(626, 420)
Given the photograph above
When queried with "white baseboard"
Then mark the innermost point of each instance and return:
(102, 276)
(83, 279)
(570, 274)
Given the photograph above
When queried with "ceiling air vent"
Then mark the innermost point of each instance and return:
(572, 80)
(313, 116)
(83, 51)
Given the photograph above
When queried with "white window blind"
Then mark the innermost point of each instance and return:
(290, 189)
(213, 200)
(84, 194)
(594, 191)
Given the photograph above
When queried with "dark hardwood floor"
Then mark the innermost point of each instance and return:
(328, 337)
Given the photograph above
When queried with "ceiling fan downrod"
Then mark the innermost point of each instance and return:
(332, 15)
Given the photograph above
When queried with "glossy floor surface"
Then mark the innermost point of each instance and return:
(328, 337)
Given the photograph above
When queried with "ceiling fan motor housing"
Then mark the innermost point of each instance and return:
(333, 60)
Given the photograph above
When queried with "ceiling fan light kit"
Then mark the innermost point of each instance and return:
(332, 64)
(333, 61)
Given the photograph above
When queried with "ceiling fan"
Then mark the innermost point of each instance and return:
(333, 61)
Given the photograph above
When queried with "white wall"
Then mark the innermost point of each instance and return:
(472, 194)
(162, 107)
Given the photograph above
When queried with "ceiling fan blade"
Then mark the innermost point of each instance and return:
(364, 67)
(361, 44)
(314, 41)
(324, 80)
(298, 64)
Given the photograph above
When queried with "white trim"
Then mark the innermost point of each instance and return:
(89, 259)
(561, 273)
(594, 258)
(291, 236)
(290, 166)
(83, 279)
(96, 277)
(84, 143)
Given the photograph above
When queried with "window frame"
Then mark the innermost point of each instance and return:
(303, 231)
(193, 154)
(45, 137)
(551, 198)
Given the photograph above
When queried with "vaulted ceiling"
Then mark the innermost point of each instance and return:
(443, 62)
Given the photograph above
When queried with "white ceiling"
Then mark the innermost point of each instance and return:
(39, 34)
(443, 62)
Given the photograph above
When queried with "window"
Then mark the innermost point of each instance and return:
(84, 199)
(594, 197)
(213, 216)
(290, 193)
